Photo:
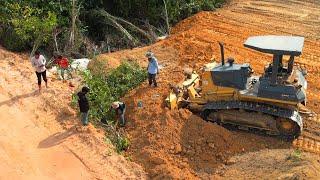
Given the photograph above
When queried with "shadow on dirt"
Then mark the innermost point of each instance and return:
(57, 138)
(18, 97)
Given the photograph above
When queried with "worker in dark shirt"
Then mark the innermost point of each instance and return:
(120, 109)
(84, 105)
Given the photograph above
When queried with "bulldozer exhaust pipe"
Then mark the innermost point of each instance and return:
(222, 52)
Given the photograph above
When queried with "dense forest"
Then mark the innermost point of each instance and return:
(84, 27)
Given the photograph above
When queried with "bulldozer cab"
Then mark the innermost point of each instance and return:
(278, 46)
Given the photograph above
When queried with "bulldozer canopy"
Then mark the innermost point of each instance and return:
(280, 45)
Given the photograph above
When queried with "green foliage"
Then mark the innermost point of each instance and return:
(117, 137)
(295, 155)
(12, 41)
(32, 21)
(181, 9)
(106, 88)
(11, 9)
(122, 144)
(140, 12)
(153, 10)
(31, 25)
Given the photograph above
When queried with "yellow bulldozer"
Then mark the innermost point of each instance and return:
(230, 93)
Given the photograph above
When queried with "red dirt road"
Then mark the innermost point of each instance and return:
(21, 155)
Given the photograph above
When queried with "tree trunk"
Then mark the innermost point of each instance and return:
(55, 33)
(167, 17)
(145, 34)
(36, 44)
(73, 24)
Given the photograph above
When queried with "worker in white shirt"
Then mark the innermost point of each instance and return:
(38, 62)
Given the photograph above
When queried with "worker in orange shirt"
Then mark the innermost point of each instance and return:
(64, 66)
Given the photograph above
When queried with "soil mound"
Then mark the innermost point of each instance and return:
(178, 144)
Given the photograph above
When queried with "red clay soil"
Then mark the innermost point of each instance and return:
(271, 164)
(176, 144)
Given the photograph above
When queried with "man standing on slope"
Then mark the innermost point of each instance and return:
(63, 65)
(153, 68)
(84, 105)
(38, 62)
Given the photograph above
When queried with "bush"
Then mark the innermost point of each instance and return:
(12, 41)
(122, 144)
(295, 155)
(182, 9)
(144, 14)
(106, 88)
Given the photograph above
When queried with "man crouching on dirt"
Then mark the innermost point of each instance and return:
(153, 68)
(84, 105)
(120, 109)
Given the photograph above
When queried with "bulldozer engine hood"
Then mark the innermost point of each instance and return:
(231, 75)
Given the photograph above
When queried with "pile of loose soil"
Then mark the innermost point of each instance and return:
(179, 144)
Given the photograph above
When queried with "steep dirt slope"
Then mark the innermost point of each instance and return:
(40, 135)
(176, 144)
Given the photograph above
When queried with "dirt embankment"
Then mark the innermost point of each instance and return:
(41, 137)
(177, 144)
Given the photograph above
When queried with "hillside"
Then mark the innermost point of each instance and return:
(177, 144)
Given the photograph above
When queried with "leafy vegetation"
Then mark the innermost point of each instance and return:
(295, 155)
(77, 26)
(106, 88)
(31, 22)
(117, 137)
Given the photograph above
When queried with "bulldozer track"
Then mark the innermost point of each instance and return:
(309, 140)
(292, 115)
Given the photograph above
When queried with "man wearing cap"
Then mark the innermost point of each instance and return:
(153, 68)
(120, 109)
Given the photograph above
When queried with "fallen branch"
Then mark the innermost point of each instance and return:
(134, 27)
(115, 24)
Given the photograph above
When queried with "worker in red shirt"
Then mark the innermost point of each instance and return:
(64, 65)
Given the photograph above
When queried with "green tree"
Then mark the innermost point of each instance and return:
(30, 26)
(32, 21)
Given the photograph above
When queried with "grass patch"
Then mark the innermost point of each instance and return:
(295, 155)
